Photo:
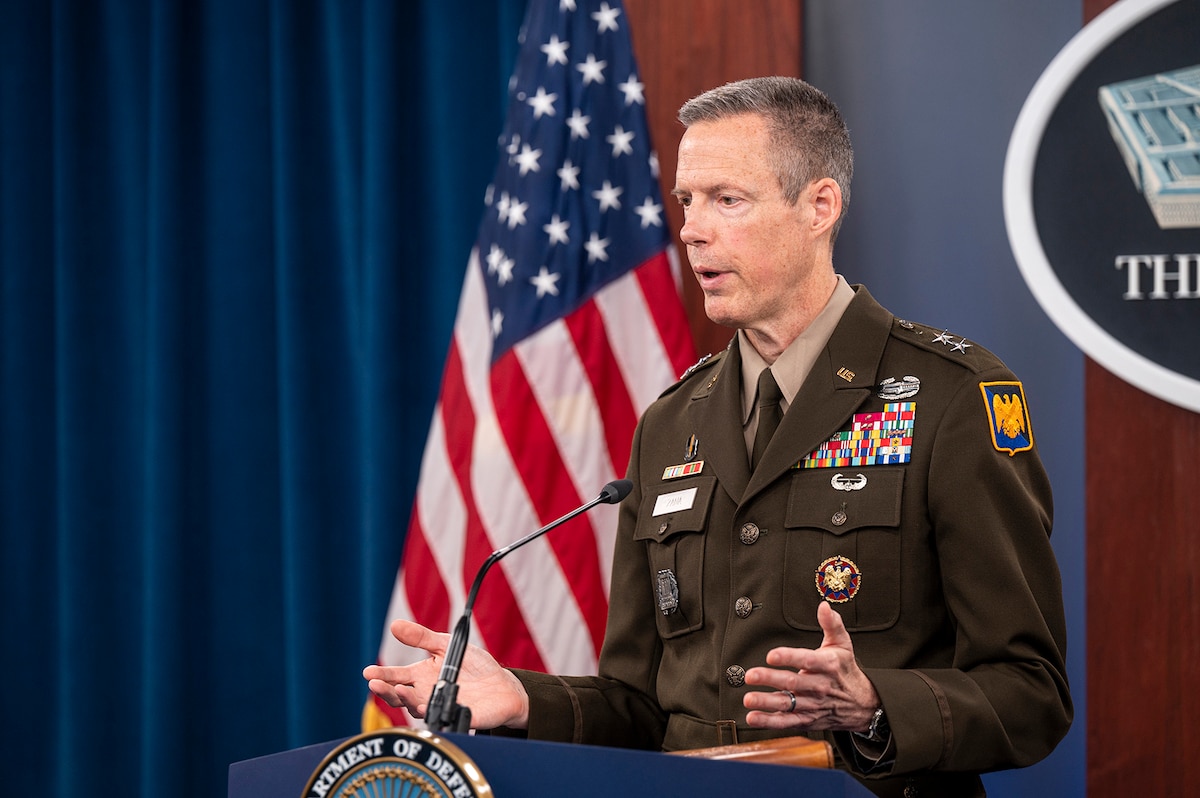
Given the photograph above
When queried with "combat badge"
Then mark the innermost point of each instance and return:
(838, 579)
(1008, 415)
(891, 391)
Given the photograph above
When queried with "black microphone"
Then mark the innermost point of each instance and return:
(445, 713)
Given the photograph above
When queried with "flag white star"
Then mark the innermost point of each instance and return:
(654, 164)
(542, 103)
(504, 271)
(528, 160)
(545, 282)
(569, 175)
(579, 125)
(494, 256)
(502, 207)
(592, 70)
(632, 91)
(497, 323)
(620, 141)
(556, 51)
(649, 210)
(596, 248)
(566, 5)
(608, 196)
(557, 230)
(606, 18)
(516, 213)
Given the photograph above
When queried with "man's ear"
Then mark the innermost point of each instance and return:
(825, 196)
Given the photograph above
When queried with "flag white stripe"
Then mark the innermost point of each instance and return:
(641, 356)
(542, 593)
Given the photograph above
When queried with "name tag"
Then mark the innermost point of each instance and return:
(674, 502)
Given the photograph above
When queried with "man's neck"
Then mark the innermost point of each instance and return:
(770, 340)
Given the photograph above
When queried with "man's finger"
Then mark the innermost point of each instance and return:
(833, 627)
(413, 634)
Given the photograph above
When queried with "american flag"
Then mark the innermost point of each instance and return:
(569, 324)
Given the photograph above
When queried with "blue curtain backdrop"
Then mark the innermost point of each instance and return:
(232, 236)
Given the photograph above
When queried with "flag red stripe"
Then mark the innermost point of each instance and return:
(495, 602)
(612, 397)
(427, 596)
(662, 298)
(551, 490)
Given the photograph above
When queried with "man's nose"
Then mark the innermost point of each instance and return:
(694, 232)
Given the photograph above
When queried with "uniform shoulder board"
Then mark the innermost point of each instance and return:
(951, 346)
(692, 368)
(703, 363)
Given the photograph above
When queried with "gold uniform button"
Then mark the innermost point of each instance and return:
(743, 607)
(735, 675)
(749, 533)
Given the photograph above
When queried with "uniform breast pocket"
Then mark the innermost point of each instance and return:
(843, 546)
(671, 525)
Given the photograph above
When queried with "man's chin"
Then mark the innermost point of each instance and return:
(718, 312)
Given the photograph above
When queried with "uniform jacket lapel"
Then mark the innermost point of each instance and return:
(841, 380)
(715, 413)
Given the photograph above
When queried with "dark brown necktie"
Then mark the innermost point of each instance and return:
(769, 414)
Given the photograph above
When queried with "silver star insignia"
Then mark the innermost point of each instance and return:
(961, 346)
(944, 338)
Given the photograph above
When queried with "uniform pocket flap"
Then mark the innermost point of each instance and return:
(846, 500)
(675, 508)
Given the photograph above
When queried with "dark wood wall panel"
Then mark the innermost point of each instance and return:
(1143, 575)
(685, 48)
(1143, 605)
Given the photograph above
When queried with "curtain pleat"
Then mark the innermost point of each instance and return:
(232, 237)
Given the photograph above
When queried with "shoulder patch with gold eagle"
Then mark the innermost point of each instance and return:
(1009, 416)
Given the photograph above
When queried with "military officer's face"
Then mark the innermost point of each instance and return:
(755, 255)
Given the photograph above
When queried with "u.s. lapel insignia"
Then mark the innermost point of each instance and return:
(838, 579)
(891, 391)
(1008, 416)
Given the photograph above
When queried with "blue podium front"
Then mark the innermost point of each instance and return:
(517, 768)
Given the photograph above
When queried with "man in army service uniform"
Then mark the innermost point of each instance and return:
(839, 526)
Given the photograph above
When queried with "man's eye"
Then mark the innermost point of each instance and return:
(684, 201)
(728, 200)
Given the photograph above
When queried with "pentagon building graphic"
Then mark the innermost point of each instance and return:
(1155, 121)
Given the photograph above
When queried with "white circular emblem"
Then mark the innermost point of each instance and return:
(1132, 303)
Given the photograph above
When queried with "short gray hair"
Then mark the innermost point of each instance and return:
(808, 135)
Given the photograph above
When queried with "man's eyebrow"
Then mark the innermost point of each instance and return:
(720, 188)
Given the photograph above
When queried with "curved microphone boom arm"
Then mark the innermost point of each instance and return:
(445, 713)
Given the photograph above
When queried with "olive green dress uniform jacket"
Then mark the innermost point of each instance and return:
(958, 617)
